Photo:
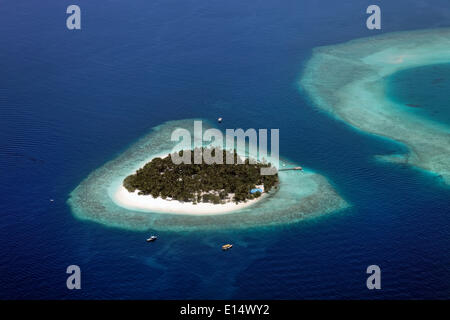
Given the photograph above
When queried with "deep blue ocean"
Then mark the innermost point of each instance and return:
(72, 100)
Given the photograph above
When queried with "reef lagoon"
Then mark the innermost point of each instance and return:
(75, 103)
(298, 196)
(349, 81)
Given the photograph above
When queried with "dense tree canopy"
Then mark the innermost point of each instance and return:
(203, 182)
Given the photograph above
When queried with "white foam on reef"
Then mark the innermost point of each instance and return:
(299, 194)
(346, 80)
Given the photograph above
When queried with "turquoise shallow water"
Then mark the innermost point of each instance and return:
(422, 90)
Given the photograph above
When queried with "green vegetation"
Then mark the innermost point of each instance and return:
(200, 182)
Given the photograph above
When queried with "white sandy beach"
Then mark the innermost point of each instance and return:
(133, 201)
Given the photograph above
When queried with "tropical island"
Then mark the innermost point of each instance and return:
(216, 183)
(348, 81)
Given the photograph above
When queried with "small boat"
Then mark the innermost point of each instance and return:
(227, 246)
(152, 238)
(219, 120)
